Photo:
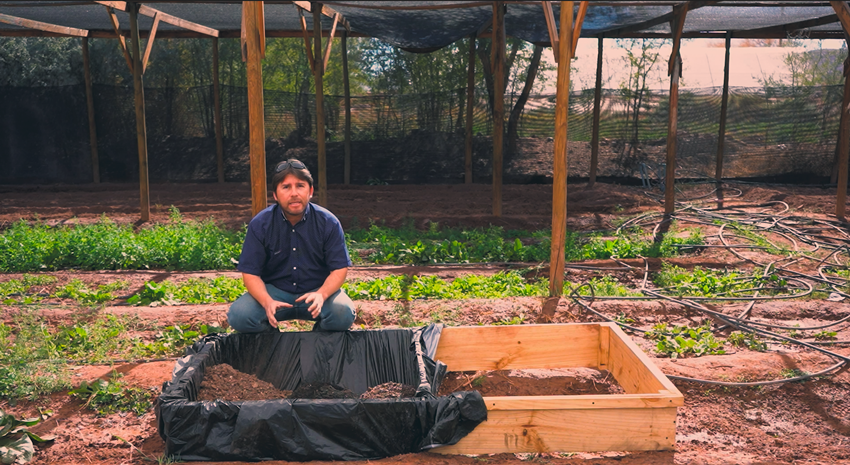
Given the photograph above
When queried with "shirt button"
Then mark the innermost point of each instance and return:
(293, 230)
(293, 248)
(294, 267)
(293, 284)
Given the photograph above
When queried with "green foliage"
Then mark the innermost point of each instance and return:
(788, 373)
(174, 339)
(679, 341)
(23, 287)
(702, 281)
(516, 320)
(608, 286)
(408, 287)
(113, 396)
(192, 291)
(624, 319)
(825, 335)
(16, 439)
(80, 292)
(180, 244)
(749, 340)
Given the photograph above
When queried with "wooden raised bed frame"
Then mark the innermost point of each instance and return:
(642, 419)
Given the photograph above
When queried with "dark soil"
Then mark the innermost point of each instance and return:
(223, 382)
(390, 390)
(560, 382)
(322, 391)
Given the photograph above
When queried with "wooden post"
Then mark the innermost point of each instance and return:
(347, 91)
(95, 159)
(724, 104)
(674, 69)
(470, 102)
(219, 143)
(252, 14)
(141, 129)
(843, 149)
(559, 179)
(597, 101)
(318, 72)
(498, 50)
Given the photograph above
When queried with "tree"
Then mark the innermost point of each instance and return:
(641, 58)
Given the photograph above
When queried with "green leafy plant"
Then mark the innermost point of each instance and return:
(788, 373)
(745, 339)
(825, 335)
(22, 288)
(108, 397)
(16, 440)
(81, 293)
(679, 341)
(408, 287)
(173, 339)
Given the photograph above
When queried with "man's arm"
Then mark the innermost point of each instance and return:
(316, 299)
(257, 288)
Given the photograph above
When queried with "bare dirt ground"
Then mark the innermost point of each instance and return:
(800, 422)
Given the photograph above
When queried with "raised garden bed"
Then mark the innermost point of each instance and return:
(644, 418)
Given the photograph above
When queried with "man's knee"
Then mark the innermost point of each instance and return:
(243, 315)
(338, 314)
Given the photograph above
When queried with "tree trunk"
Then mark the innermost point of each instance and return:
(519, 106)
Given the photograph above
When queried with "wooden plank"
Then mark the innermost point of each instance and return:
(724, 106)
(328, 45)
(346, 89)
(165, 17)
(513, 431)
(149, 45)
(95, 159)
(308, 44)
(327, 11)
(113, 20)
(843, 151)
(470, 103)
(582, 402)
(261, 28)
(597, 101)
(552, 28)
(635, 372)
(627, 30)
(675, 73)
(498, 50)
(473, 348)
(219, 133)
(256, 122)
(141, 128)
(559, 168)
(582, 11)
(47, 27)
(604, 348)
(843, 12)
(677, 25)
(318, 81)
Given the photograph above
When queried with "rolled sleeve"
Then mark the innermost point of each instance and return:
(336, 252)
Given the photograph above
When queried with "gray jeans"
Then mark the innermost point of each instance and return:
(246, 315)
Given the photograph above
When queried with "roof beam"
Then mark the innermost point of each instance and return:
(582, 11)
(164, 17)
(31, 24)
(149, 45)
(113, 19)
(677, 25)
(552, 27)
(843, 12)
(327, 11)
(666, 18)
(784, 29)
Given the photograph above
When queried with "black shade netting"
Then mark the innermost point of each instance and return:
(322, 429)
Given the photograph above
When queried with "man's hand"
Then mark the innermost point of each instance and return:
(316, 300)
(271, 308)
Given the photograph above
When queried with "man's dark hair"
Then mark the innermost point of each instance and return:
(294, 167)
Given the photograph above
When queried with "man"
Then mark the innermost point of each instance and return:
(293, 262)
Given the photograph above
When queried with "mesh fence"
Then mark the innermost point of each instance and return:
(770, 132)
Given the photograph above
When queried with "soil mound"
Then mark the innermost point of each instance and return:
(390, 390)
(223, 382)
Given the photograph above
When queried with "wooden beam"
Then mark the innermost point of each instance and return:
(95, 159)
(597, 102)
(113, 19)
(219, 136)
(346, 89)
(141, 128)
(149, 45)
(724, 106)
(470, 104)
(675, 72)
(498, 59)
(843, 12)
(47, 27)
(677, 25)
(582, 11)
(308, 43)
(842, 120)
(328, 45)
(552, 27)
(256, 122)
(327, 11)
(559, 169)
(164, 17)
(666, 18)
(318, 80)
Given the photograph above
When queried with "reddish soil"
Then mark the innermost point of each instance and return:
(556, 382)
(223, 382)
(806, 422)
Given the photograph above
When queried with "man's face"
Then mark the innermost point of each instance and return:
(293, 194)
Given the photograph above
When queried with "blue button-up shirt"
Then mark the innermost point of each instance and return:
(297, 258)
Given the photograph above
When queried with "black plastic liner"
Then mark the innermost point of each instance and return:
(325, 429)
